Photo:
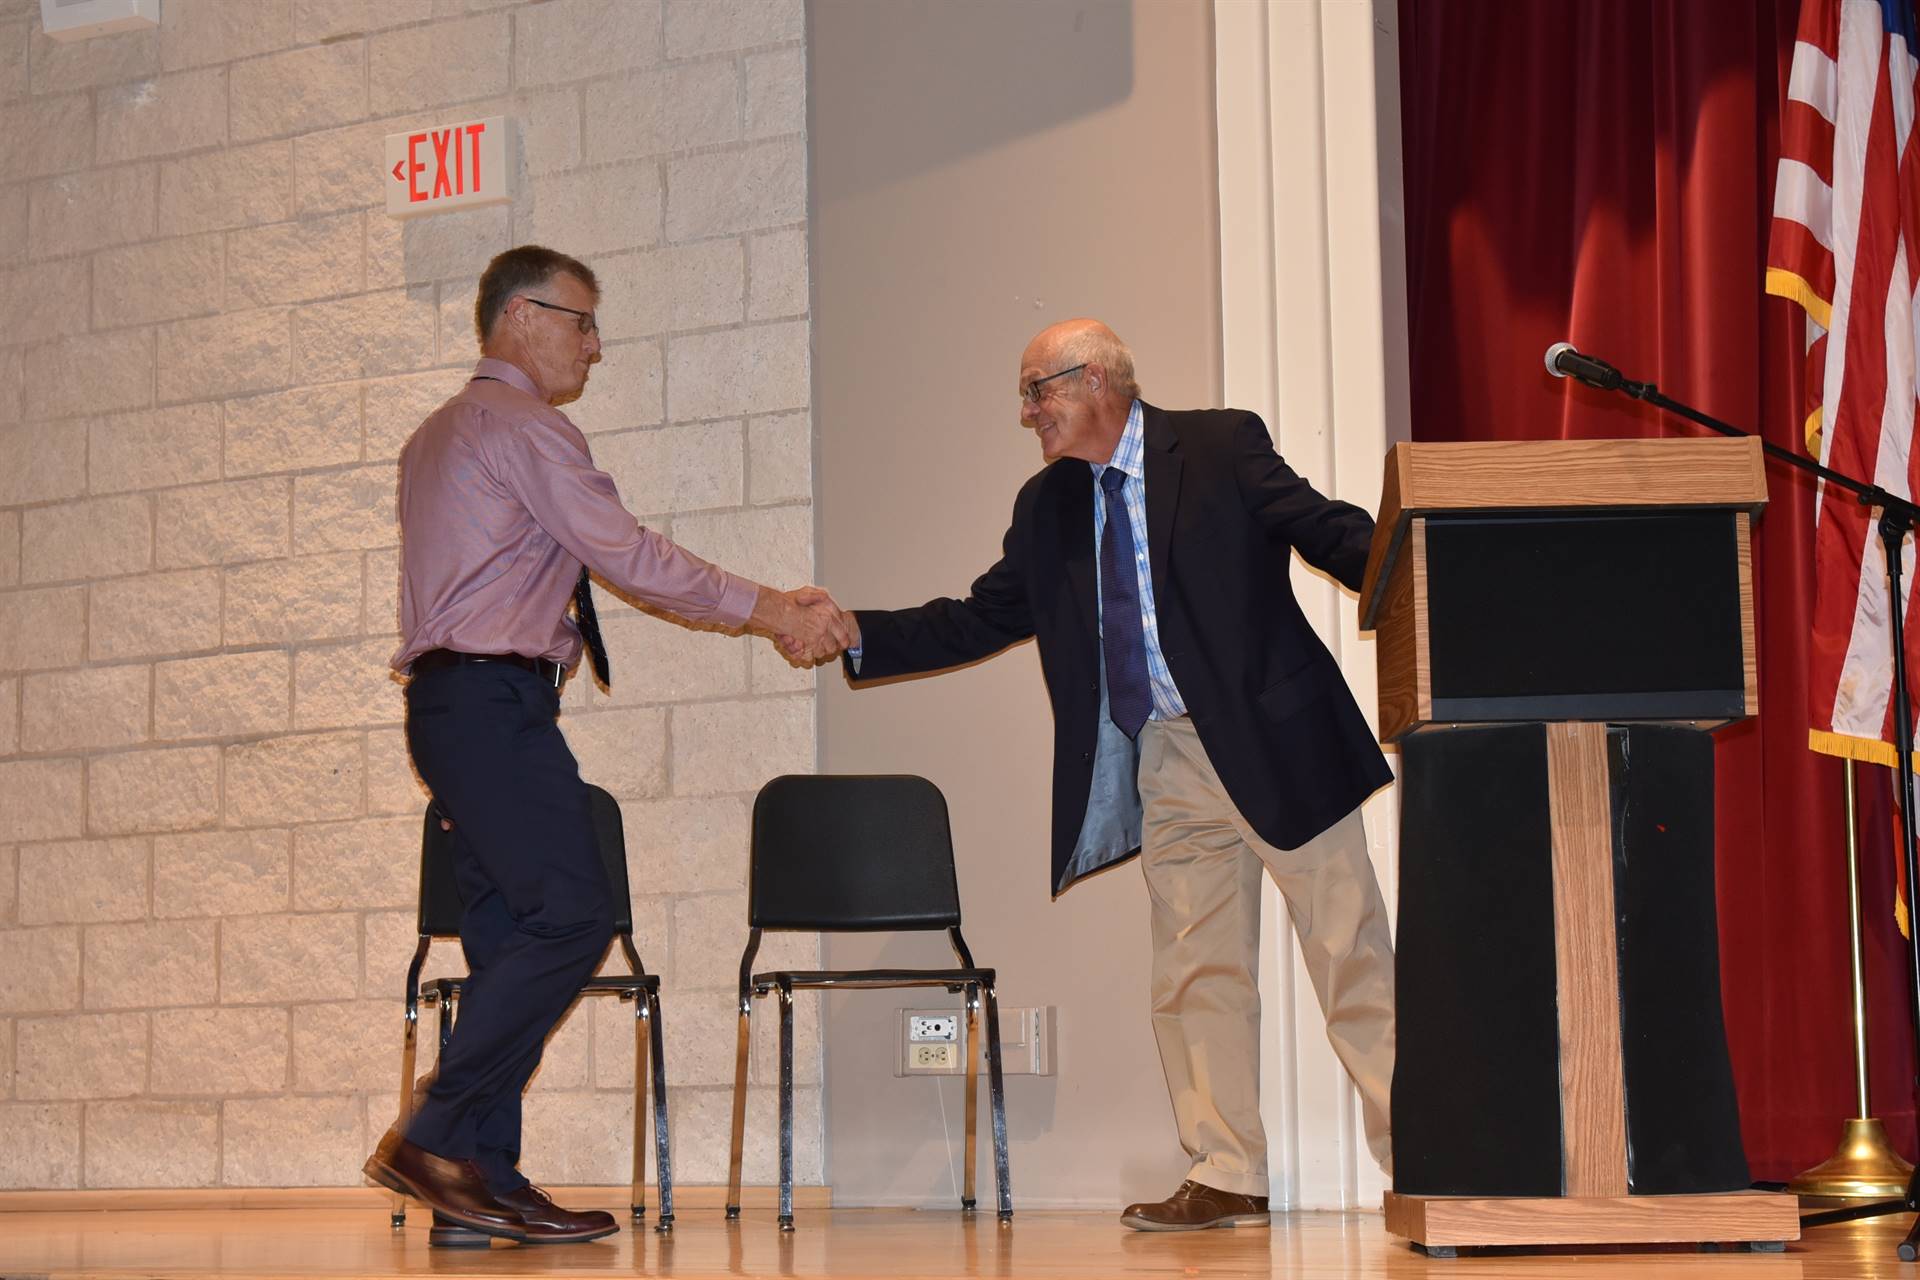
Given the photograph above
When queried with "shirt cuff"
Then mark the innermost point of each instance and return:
(736, 601)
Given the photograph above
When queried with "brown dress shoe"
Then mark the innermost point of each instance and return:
(448, 1234)
(1195, 1207)
(453, 1189)
(547, 1223)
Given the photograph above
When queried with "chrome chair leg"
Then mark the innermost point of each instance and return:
(662, 1155)
(637, 1201)
(997, 1085)
(971, 1047)
(739, 1105)
(409, 1044)
(786, 1107)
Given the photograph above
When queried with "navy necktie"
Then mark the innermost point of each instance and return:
(1122, 634)
(590, 628)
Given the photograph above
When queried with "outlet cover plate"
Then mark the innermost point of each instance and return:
(1028, 1042)
(933, 1026)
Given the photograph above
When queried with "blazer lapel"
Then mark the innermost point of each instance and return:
(1162, 466)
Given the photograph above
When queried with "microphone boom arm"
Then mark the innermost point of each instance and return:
(1870, 495)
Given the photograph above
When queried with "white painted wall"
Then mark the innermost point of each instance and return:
(960, 203)
(1312, 286)
(981, 170)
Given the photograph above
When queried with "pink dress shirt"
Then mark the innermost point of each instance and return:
(500, 504)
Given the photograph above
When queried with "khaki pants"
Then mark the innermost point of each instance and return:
(1202, 864)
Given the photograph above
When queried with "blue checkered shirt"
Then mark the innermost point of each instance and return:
(1128, 455)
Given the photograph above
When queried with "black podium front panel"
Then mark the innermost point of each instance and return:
(1476, 1088)
(1610, 616)
(1683, 1122)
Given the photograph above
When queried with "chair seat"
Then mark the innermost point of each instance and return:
(623, 982)
(441, 988)
(765, 982)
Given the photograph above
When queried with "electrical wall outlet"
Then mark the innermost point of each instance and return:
(934, 1057)
(931, 1042)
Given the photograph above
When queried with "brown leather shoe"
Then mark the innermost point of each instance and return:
(547, 1223)
(448, 1234)
(1195, 1207)
(453, 1189)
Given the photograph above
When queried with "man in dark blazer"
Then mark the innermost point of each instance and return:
(1198, 720)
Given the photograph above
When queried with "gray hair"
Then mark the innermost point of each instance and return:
(1097, 344)
(525, 267)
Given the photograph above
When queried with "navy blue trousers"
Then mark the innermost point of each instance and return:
(538, 910)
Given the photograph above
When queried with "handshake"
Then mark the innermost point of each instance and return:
(805, 622)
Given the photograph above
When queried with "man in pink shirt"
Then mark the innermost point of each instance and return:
(502, 512)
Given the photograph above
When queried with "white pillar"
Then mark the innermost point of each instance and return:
(1314, 324)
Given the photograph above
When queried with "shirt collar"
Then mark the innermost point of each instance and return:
(1128, 454)
(503, 371)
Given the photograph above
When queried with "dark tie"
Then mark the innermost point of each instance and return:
(1122, 636)
(590, 627)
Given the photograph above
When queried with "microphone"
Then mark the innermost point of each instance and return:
(1564, 362)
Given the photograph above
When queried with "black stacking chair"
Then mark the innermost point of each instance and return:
(440, 909)
(854, 852)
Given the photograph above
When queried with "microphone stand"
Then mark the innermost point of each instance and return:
(1897, 519)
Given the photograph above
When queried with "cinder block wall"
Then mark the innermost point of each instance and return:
(213, 342)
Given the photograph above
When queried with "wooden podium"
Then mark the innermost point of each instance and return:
(1559, 624)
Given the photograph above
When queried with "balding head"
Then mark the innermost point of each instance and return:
(1084, 340)
(1082, 378)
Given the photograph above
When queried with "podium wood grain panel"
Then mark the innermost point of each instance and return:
(1520, 474)
(1749, 644)
(1389, 530)
(1592, 1087)
(1726, 1217)
(1422, 625)
(1406, 681)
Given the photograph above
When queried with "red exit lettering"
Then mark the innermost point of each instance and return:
(456, 162)
(415, 167)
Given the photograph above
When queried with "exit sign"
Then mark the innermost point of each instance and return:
(453, 166)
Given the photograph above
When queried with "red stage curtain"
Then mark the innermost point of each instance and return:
(1602, 171)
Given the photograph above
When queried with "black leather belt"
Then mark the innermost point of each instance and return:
(547, 669)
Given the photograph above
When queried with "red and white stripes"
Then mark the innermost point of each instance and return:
(1845, 245)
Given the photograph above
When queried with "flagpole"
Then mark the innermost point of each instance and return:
(1897, 517)
(1864, 1165)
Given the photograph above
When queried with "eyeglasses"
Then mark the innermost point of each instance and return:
(582, 318)
(1032, 394)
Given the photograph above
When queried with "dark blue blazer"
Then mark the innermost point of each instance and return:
(1224, 516)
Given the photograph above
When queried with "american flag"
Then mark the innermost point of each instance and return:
(1846, 246)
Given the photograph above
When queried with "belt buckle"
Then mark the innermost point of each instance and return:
(559, 672)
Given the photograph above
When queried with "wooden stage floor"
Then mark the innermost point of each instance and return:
(262, 1244)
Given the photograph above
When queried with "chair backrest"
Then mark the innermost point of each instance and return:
(440, 902)
(852, 852)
